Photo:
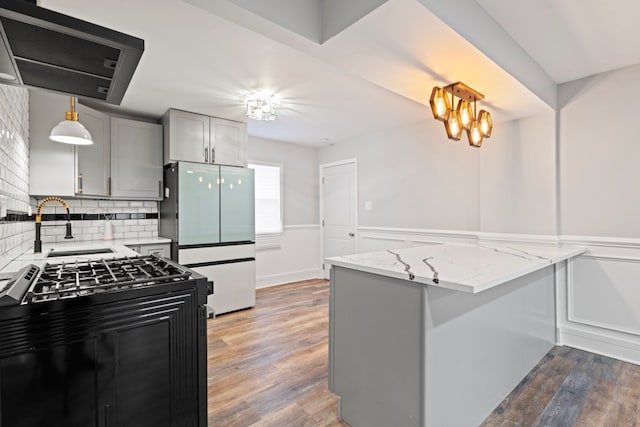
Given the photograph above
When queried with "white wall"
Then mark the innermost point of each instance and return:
(599, 308)
(16, 234)
(600, 154)
(518, 177)
(298, 256)
(414, 176)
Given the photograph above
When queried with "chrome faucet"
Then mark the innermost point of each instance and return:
(37, 244)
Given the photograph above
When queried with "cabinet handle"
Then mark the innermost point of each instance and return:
(160, 189)
(106, 415)
(206, 155)
(213, 154)
(80, 184)
(109, 186)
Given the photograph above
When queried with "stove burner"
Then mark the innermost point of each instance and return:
(70, 280)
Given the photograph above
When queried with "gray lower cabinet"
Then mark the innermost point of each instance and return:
(124, 161)
(136, 159)
(159, 249)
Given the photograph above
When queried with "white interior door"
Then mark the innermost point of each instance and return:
(339, 209)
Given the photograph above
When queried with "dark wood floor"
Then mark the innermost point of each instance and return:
(268, 367)
(571, 387)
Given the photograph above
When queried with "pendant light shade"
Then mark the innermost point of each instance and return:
(439, 104)
(70, 130)
(453, 126)
(486, 125)
(474, 134)
(466, 114)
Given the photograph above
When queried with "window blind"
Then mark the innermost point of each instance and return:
(268, 198)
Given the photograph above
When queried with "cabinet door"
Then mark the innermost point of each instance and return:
(136, 159)
(54, 386)
(198, 204)
(228, 142)
(237, 204)
(234, 285)
(51, 164)
(93, 161)
(188, 136)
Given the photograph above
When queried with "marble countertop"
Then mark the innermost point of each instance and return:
(469, 268)
(118, 247)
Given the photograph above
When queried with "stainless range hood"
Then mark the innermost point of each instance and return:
(44, 49)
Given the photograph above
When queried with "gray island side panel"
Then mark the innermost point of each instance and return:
(402, 353)
(376, 348)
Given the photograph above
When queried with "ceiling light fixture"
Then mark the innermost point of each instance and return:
(70, 130)
(463, 117)
(262, 107)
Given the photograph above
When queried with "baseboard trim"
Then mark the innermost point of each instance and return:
(288, 277)
(604, 344)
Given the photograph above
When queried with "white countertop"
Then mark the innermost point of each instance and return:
(119, 248)
(462, 267)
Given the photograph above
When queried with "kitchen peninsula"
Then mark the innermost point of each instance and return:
(438, 335)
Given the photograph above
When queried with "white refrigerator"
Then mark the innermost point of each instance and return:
(209, 213)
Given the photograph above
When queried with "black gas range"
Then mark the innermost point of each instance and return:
(106, 342)
(81, 278)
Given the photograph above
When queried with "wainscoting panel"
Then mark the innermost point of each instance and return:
(296, 258)
(599, 298)
(605, 293)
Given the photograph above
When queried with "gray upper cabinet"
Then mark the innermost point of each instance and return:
(92, 162)
(229, 142)
(136, 159)
(186, 137)
(198, 138)
(124, 161)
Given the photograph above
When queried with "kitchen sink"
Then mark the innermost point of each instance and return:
(79, 252)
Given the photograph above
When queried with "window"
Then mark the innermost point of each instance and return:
(268, 188)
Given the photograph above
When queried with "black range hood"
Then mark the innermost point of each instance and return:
(44, 49)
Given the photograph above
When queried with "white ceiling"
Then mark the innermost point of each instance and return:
(205, 55)
(572, 39)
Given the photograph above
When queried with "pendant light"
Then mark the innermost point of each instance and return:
(70, 130)
(464, 117)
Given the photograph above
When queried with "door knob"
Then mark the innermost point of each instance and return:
(351, 234)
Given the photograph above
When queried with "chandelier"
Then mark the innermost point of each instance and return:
(463, 117)
(262, 107)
